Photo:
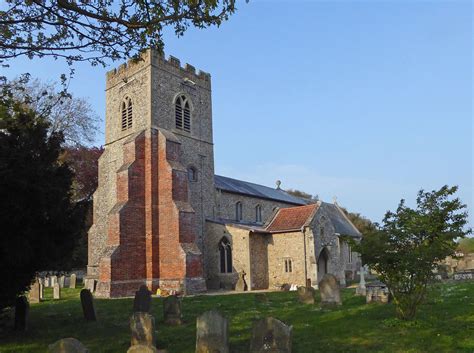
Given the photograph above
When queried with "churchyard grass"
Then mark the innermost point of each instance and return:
(445, 323)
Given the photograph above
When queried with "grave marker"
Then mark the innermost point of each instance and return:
(271, 335)
(172, 310)
(212, 333)
(72, 281)
(34, 295)
(87, 302)
(67, 345)
(361, 289)
(329, 290)
(57, 291)
(306, 295)
(142, 326)
(142, 301)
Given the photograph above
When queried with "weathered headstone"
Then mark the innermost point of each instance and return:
(46, 282)
(72, 281)
(140, 348)
(212, 333)
(57, 291)
(142, 301)
(53, 280)
(89, 283)
(306, 295)
(377, 292)
(62, 281)
(361, 289)
(34, 295)
(41, 290)
(172, 310)
(241, 284)
(329, 290)
(21, 313)
(271, 335)
(67, 345)
(87, 302)
(142, 326)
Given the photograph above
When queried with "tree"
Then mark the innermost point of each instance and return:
(72, 116)
(303, 195)
(409, 245)
(39, 221)
(363, 224)
(466, 246)
(96, 30)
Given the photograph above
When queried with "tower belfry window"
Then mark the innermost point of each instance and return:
(127, 114)
(182, 110)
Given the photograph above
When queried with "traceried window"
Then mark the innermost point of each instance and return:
(238, 211)
(182, 109)
(192, 174)
(288, 265)
(258, 213)
(225, 252)
(127, 113)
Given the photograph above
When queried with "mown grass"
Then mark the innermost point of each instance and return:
(445, 323)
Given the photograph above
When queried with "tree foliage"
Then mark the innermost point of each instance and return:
(466, 246)
(303, 195)
(39, 221)
(72, 116)
(411, 242)
(96, 30)
(363, 224)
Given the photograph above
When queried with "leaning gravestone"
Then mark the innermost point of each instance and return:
(87, 302)
(72, 281)
(142, 301)
(241, 285)
(35, 296)
(329, 290)
(57, 291)
(270, 335)
(306, 295)
(142, 326)
(172, 310)
(212, 333)
(21, 313)
(67, 345)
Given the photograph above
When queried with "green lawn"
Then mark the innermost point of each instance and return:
(444, 324)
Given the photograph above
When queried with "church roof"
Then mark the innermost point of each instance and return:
(259, 191)
(292, 218)
(341, 223)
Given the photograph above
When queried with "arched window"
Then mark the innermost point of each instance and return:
(258, 213)
(192, 174)
(225, 252)
(182, 110)
(288, 265)
(238, 211)
(127, 113)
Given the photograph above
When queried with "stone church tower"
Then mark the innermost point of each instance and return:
(156, 179)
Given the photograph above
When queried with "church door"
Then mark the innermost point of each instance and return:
(323, 261)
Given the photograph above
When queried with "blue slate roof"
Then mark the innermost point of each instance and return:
(263, 192)
(341, 224)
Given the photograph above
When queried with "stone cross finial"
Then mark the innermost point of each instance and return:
(334, 199)
(361, 289)
(278, 184)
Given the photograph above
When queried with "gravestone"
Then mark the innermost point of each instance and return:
(87, 302)
(172, 310)
(46, 282)
(21, 313)
(57, 291)
(89, 283)
(377, 292)
(270, 335)
(142, 301)
(41, 290)
(212, 333)
(62, 281)
(72, 281)
(34, 295)
(142, 326)
(361, 289)
(53, 280)
(241, 285)
(67, 345)
(329, 290)
(140, 348)
(306, 295)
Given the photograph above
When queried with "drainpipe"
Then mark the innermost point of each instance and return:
(305, 260)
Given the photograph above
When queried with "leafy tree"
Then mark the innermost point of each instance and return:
(303, 195)
(73, 116)
(39, 221)
(363, 224)
(466, 246)
(96, 30)
(411, 242)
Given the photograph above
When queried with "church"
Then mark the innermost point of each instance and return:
(164, 219)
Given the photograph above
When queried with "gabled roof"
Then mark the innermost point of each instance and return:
(292, 218)
(341, 223)
(259, 191)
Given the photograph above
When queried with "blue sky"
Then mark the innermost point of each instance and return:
(368, 101)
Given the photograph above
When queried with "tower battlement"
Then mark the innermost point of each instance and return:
(155, 58)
